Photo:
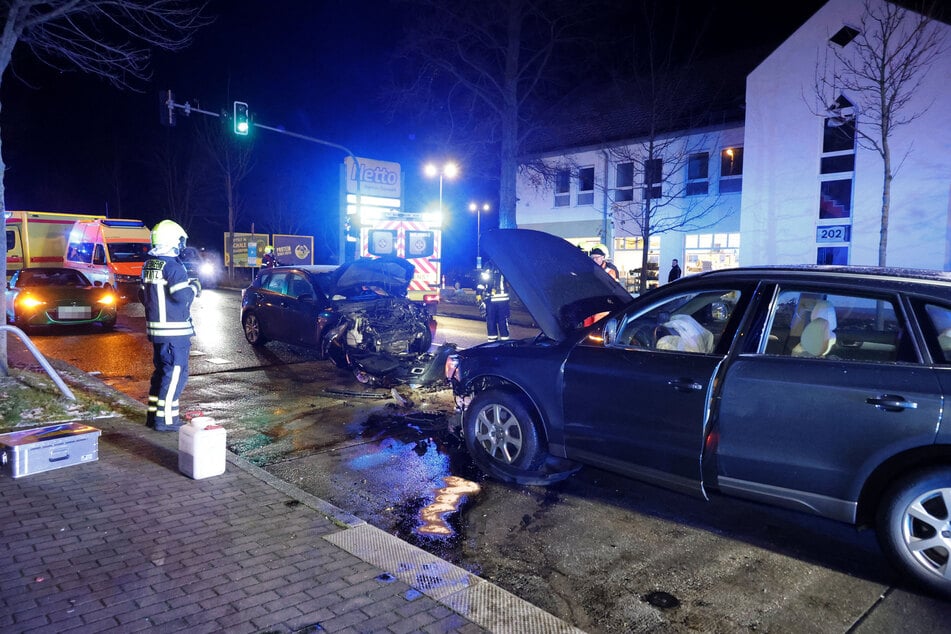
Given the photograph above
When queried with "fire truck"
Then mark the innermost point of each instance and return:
(412, 237)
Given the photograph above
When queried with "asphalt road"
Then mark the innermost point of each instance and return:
(602, 552)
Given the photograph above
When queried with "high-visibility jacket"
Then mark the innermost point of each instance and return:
(167, 297)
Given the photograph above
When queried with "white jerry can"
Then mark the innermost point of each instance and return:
(202, 448)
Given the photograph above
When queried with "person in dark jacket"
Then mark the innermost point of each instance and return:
(674, 271)
(167, 295)
(497, 309)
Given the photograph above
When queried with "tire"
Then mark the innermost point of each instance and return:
(108, 326)
(502, 436)
(253, 330)
(914, 528)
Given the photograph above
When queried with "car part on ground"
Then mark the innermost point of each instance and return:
(819, 389)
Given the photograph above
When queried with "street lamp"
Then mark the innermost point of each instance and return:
(449, 170)
(476, 208)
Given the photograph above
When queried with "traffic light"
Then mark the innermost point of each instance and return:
(242, 122)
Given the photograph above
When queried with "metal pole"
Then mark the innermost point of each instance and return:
(478, 237)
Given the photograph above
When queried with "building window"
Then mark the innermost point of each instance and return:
(844, 35)
(653, 176)
(586, 186)
(835, 199)
(698, 167)
(624, 182)
(562, 188)
(731, 170)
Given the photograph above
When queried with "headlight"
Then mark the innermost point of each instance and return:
(107, 300)
(29, 301)
(206, 268)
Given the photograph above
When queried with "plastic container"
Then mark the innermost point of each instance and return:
(202, 448)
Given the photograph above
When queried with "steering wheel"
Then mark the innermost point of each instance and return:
(641, 335)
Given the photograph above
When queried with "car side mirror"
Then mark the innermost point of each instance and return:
(609, 334)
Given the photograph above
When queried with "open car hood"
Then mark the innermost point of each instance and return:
(557, 282)
(389, 273)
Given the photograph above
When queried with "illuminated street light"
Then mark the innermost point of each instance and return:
(449, 170)
(479, 209)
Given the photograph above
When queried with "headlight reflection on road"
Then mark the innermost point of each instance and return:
(210, 319)
(448, 500)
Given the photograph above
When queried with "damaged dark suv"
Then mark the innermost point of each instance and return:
(357, 315)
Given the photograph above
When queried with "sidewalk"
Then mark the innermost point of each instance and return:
(128, 544)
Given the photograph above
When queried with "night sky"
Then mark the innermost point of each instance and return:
(313, 67)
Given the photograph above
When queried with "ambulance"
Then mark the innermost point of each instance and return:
(110, 251)
(38, 238)
(414, 238)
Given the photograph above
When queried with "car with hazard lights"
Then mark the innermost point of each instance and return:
(357, 315)
(821, 389)
(41, 296)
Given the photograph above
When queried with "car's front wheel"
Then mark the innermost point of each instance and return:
(914, 527)
(252, 330)
(503, 436)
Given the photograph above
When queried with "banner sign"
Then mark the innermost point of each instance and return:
(293, 250)
(243, 243)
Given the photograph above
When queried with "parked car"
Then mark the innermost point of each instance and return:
(357, 315)
(41, 296)
(820, 389)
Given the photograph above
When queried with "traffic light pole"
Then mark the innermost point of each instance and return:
(187, 108)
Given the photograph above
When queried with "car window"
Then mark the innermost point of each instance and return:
(297, 286)
(277, 283)
(688, 322)
(940, 317)
(809, 324)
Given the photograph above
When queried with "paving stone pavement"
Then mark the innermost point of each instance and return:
(128, 543)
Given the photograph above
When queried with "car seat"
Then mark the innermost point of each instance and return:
(818, 336)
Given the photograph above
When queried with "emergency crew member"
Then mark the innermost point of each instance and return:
(497, 310)
(269, 258)
(167, 294)
(598, 255)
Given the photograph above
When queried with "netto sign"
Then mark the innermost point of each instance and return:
(376, 178)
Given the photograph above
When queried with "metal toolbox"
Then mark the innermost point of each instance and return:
(45, 448)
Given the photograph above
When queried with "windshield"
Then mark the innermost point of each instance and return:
(129, 251)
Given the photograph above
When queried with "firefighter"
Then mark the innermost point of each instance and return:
(269, 260)
(497, 310)
(167, 294)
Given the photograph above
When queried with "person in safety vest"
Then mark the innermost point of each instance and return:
(269, 258)
(167, 294)
(496, 297)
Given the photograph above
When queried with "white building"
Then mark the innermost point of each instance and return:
(783, 183)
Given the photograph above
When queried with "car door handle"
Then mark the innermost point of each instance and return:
(891, 403)
(685, 384)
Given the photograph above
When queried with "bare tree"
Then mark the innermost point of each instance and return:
(667, 95)
(181, 177)
(231, 157)
(111, 39)
(480, 67)
(879, 72)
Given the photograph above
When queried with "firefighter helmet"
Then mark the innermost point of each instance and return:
(268, 249)
(168, 238)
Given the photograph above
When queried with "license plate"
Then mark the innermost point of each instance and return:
(74, 312)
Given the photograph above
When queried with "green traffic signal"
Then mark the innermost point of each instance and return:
(242, 122)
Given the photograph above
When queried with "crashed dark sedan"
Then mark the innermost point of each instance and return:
(357, 315)
(819, 389)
